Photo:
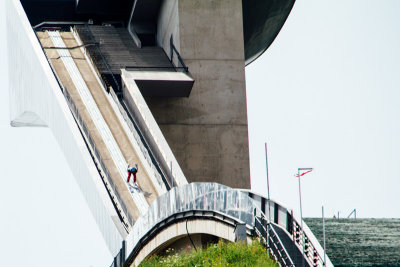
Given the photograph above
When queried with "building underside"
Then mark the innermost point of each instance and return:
(159, 84)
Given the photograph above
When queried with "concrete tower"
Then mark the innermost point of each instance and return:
(207, 130)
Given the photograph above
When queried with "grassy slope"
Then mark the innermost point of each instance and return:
(221, 254)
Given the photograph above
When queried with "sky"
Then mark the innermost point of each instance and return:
(324, 95)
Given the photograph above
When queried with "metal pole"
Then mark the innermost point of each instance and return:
(172, 177)
(301, 217)
(293, 232)
(269, 200)
(323, 234)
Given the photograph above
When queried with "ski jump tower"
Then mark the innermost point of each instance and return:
(160, 83)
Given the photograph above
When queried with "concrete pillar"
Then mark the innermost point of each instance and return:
(208, 130)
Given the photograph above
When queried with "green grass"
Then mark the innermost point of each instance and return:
(220, 254)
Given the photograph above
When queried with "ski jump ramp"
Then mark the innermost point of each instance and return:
(60, 79)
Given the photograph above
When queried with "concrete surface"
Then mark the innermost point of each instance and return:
(110, 117)
(208, 131)
(168, 26)
(162, 83)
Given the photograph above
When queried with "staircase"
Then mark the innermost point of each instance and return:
(119, 50)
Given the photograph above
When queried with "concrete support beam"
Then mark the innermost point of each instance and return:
(208, 131)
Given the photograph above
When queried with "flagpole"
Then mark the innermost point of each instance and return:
(269, 200)
(266, 161)
(301, 211)
(323, 233)
(301, 215)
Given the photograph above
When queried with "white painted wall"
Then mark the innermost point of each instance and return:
(36, 100)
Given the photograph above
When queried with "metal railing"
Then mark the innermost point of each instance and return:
(172, 50)
(158, 169)
(271, 239)
(155, 68)
(64, 23)
(119, 259)
(105, 172)
(209, 199)
(311, 254)
(102, 57)
(281, 216)
(93, 150)
(93, 57)
(160, 176)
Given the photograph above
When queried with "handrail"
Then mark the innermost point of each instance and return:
(158, 173)
(98, 118)
(295, 232)
(314, 258)
(268, 233)
(173, 49)
(104, 61)
(280, 249)
(59, 23)
(68, 48)
(119, 259)
(211, 197)
(84, 129)
(91, 58)
(194, 196)
(141, 141)
(93, 151)
(185, 69)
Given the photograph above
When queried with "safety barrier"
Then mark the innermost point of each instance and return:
(119, 259)
(161, 180)
(284, 218)
(272, 240)
(96, 115)
(105, 173)
(160, 172)
(204, 199)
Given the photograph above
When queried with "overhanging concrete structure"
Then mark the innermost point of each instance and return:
(160, 83)
(74, 77)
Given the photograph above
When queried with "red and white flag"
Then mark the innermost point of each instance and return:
(301, 174)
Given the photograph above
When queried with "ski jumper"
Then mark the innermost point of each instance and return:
(131, 171)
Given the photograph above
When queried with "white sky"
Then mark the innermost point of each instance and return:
(325, 95)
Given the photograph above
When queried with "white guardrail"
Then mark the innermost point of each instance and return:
(290, 223)
(95, 114)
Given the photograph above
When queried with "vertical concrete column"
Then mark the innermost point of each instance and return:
(208, 131)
